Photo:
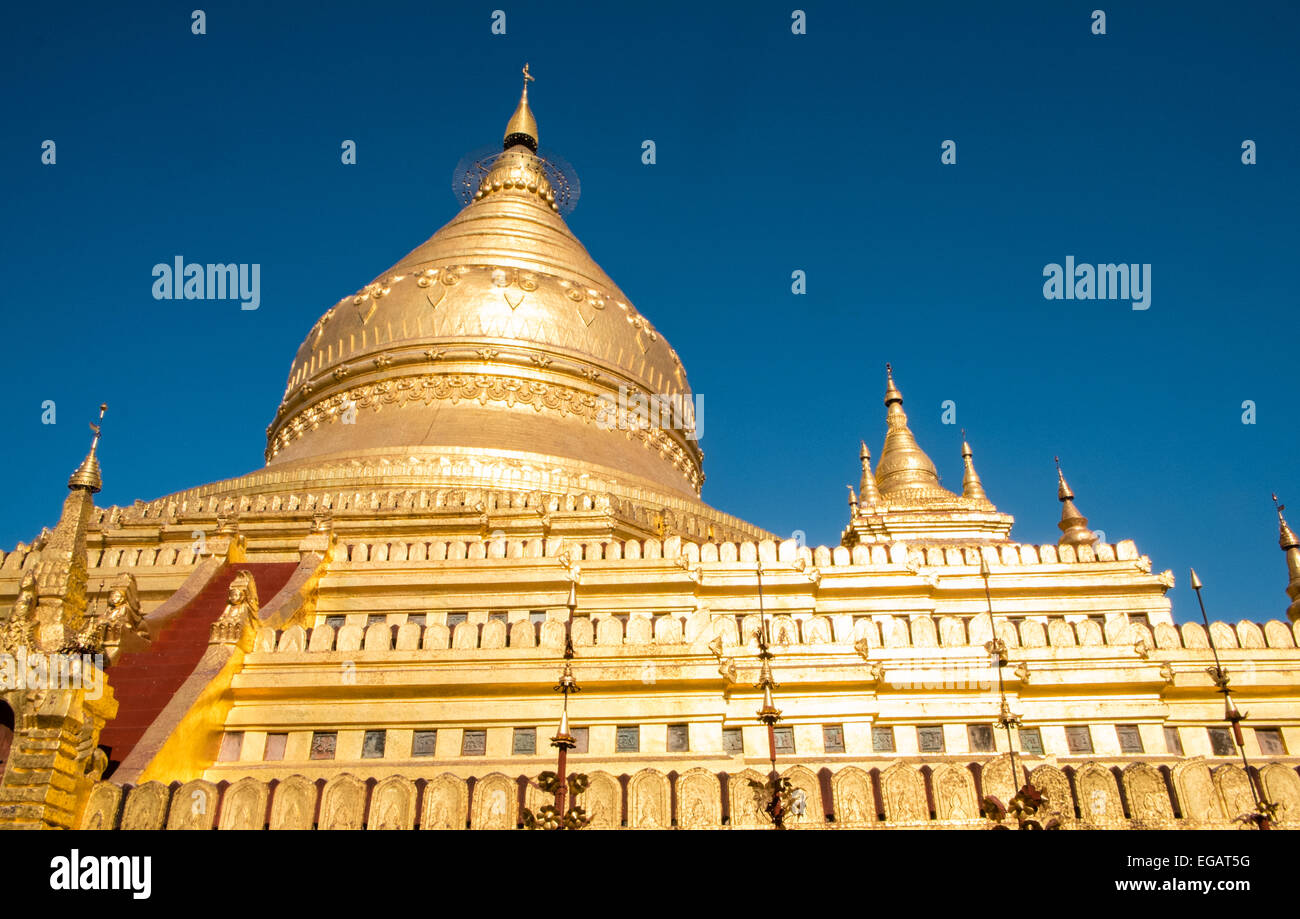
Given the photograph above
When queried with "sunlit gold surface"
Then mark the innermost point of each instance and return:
(439, 537)
(904, 472)
(1291, 546)
(1073, 525)
(498, 332)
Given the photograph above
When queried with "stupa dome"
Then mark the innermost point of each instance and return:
(499, 333)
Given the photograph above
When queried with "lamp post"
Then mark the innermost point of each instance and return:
(559, 783)
(1026, 800)
(776, 796)
(997, 648)
(1266, 812)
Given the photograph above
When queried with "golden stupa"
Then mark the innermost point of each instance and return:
(368, 631)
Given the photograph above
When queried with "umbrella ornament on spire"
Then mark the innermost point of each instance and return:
(516, 162)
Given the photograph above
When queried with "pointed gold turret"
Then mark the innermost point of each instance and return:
(1073, 525)
(868, 492)
(971, 486)
(853, 503)
(61, 572)
(904, 470)
(522, 127)
(1291, 546)
(87, 475)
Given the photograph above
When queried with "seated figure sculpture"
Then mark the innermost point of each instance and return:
(240, 612)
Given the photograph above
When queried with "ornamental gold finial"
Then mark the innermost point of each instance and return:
(971, 486)
(892, 394)
(522, 127)
(867, 486)
(87, 476)
(903, 467)
(1291, 546)
(1063, 492)
(1286, 536)
(1073, 525)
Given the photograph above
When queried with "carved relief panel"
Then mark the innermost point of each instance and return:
(293, 805)
(699, 800)
(647, 801)
(903, 791)
(343, 803)
(855, 804)
(244, 805)
(194, 806)
(954, 793)
(1148, 799)
(496, 805)
(446, 804)
(392, 805)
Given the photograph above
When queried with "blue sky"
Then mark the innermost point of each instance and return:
(776, 152)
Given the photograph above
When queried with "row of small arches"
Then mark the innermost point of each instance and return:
(1090, 794)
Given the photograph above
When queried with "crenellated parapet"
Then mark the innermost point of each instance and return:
(431, 632)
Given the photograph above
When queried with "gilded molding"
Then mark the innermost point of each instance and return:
(481, 388)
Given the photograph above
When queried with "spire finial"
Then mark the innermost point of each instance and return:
(904, 467)
(971, 486)
(892, 395)
(1291, 546)
(869, 493)
(1286, 536)
(1073, 525)
(1063, 492)
(87, 475)
(522, 127)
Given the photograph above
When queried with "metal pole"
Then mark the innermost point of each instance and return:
(999, 649)
(1230, 712)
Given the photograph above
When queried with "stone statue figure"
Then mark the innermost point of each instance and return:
(17, 631)
(241, 609)
(123, 610)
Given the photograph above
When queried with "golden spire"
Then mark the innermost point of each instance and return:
(971, 486)
(903, 464)
(522, 127)
(61, 574)
(870, 494)
(853, 503)
(1291, 546)
(87, 475)
(1286, 536)
(1073, 525)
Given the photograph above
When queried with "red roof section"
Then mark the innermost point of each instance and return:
(145, 682)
